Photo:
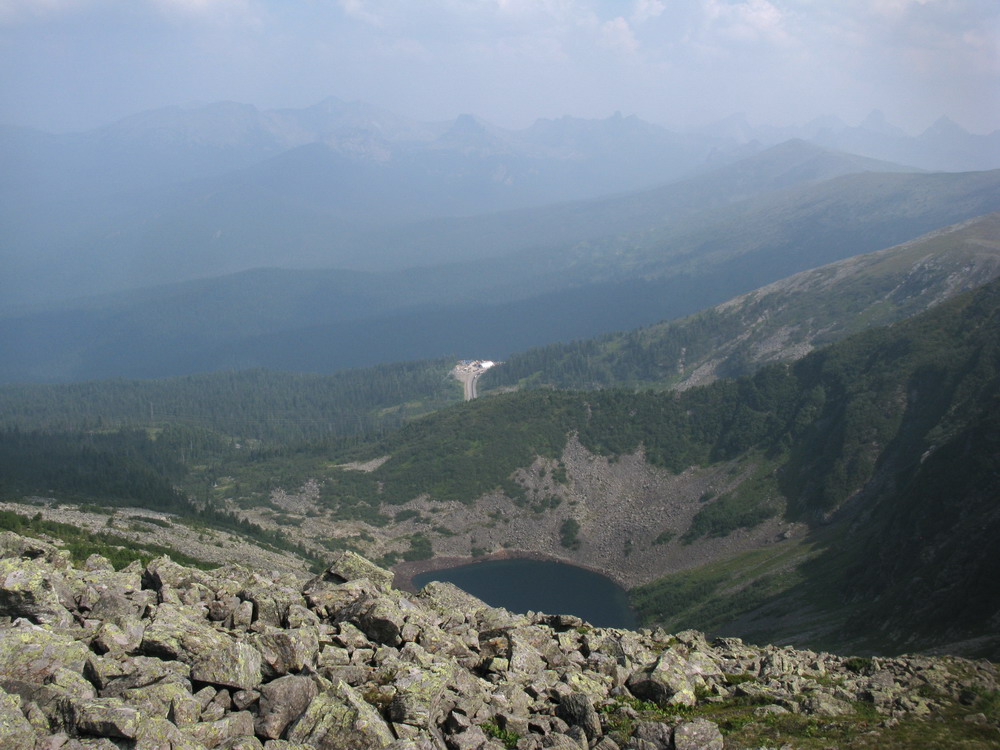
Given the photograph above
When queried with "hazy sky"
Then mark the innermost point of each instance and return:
(72, 64)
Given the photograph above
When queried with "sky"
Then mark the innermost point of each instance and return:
(77, 64)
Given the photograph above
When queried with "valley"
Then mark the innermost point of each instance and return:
(740, 393)
(742, 493)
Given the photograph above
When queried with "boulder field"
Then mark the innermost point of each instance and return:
(175, 658)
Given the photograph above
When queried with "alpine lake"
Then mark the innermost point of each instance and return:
(523, 585)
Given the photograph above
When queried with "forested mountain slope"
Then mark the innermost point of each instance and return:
(781, 321)
(257, 406)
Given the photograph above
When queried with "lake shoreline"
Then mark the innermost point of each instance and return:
(405, 572)
(533, 582)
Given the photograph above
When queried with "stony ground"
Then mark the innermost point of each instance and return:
(141, 526)
(174, 658)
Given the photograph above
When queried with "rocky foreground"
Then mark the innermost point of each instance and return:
(178, 658)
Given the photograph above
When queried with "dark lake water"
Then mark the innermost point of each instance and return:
(542, 586)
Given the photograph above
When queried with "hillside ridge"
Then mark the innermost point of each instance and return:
(780, 321)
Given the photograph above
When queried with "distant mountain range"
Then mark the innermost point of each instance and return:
(611, 264)
(944, 146)
(183, 193)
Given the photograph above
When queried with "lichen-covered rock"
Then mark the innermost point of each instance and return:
(32, 653)
(652, 735)
(270, 602)
(103, 717)
(450, 602)
(826, 705)
(156, 733)
(577, 709)
(340, 719)
(27, 548)
(350, 566)
(162, 699)
(242, 743)
(330, 600)
(286, 651)
(281, 702)
(416, 743)
(698, 734)
(180, 631)
(140, 671)
(298, 616)
(15, 730)
(213, 734)
(419, 693)
(665, 682)
(163, 573)
(236, 665)
(113, 607)
(114, 639)
(31, 589)
(381, 617)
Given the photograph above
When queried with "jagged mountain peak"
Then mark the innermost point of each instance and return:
(471, 134)
(944, 128)
(876, 122)
(223, 124)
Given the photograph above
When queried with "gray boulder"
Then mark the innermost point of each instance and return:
(350, 566)
(286, 651)
(665, 682)
(236, 665)
(340, 719)
(282, 701)
(577, 709)
(699, 734)
(31, 589)
(15, 730)
(103, 717)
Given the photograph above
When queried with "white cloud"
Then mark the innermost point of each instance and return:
(536, 49)
(617, 35)
(646, 9)
(894, 7)
(553, 8)
(559, 56)
(360, 10)
(749, 20)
